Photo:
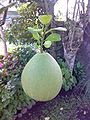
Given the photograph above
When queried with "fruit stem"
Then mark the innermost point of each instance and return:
(41, 47)
(42, 39)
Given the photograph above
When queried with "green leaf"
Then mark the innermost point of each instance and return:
(67, 74)
(57, 29)
(53, 37)
(66, 88)
(36, 36)
(33, 30)
(74, 81)
(45, 19)
(36, 45)
(47, 44)
(60, 29)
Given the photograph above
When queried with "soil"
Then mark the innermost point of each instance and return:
(63, 107)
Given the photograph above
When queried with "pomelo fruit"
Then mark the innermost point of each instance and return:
(42, 77)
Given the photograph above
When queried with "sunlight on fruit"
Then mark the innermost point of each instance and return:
(42, 78)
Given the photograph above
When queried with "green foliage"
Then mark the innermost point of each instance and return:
(12, 97)
(45, 19)
(40, 32)
(57, 29)
(47, 44)
(34, 30)
(69, 81)
(18, 32)
(53, 37)
(79, 72)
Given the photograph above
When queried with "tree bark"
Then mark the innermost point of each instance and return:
(67, 10)
(2, 32)
(74, 39)
(3, 41)
(88, 10)
(85, 55)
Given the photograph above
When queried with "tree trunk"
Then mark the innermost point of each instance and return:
(88, 10)
(86, 54)
(2, 31)
(83, 56)
(3, 41)
(74, 39)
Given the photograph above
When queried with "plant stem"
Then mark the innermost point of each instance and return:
(41, 47)
(42, 39)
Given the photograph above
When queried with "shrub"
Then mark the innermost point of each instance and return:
(69, 81)
(80, 74)
(12, 97)
(18, 32)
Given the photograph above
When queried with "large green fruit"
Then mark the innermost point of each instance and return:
(42, 78)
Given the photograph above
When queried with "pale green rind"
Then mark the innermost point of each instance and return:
(42, 78)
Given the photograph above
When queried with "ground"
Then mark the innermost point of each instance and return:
(63, 107)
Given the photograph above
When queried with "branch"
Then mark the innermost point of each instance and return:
(46, 6)
(74, 9)
(83, 6)
(5, 9)
(67, 10)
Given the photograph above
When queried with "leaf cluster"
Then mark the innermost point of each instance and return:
(69, 81)
(18, 32)
(44, 36)
(12, 96)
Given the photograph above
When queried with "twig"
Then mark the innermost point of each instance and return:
(67, 10)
